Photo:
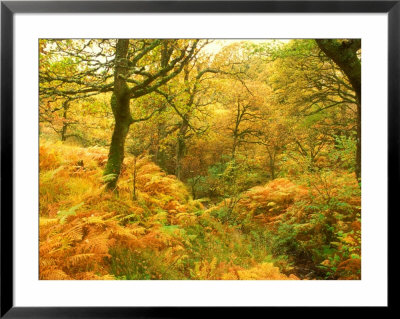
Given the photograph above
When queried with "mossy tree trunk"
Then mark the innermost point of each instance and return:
(121, 111)
(344, 54)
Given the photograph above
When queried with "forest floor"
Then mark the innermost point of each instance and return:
(281, 230)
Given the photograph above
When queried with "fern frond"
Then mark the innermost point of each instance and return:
(78, 259)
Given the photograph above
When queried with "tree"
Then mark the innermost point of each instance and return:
(168, 63)
(309, 82)
(274, 136)
(345, 54)
(55, 108)
(127, 68)
(188, 102)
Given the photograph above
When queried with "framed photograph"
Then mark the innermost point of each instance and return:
(158, 156)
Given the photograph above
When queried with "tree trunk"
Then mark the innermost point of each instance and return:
(123, 119)
(180, 149)
(65, 124)
(236, 131)
(358, 151)
(234, 145)
(116, 154)
(272, 168)
(194, 183)
(271, 162)
(344, 54)
(180, 146)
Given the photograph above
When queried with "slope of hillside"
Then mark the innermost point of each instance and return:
(89, 233)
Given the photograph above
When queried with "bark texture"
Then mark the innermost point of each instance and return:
(123, 119)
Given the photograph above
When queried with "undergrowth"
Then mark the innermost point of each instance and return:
(273, 230)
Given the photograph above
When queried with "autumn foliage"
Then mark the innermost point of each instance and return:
(165, 159)
(84, 234)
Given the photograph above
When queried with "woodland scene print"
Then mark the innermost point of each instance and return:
(196, 159)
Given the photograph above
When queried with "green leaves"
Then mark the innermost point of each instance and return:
(64, 214)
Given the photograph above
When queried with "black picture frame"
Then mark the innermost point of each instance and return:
(9, 8)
